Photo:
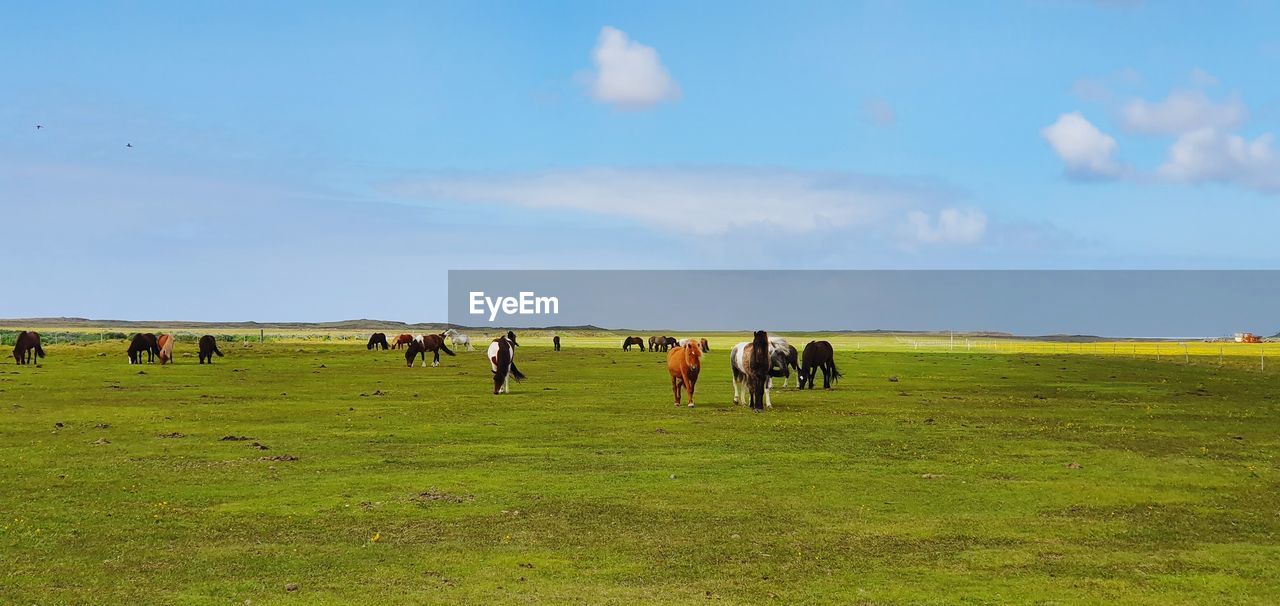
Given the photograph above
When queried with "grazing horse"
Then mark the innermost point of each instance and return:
(750, 365)
(458, 339)
(782, 358)
(27, 348)
(683, 364)
(421, 344)
(402, 341)
(378, 340)
(629, 341)
(818, 355)
(706, 348)
(555, 342)
(143, 342)
(208, 347)
(165, 343)
(653, 344)
(502, 360)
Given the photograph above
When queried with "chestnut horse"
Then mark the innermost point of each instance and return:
(818, 355)
(27, 348)
(208, 347)
(629, 341)
(502, 360)
(706, 348)
(143, 342)
(165, 343)
(421, 344)
(402, 341)
(378, 340)
(683, 363)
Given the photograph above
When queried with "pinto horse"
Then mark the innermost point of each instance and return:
(683, 364)
(629, 341)
(502, 360)
(421, 344)
(165, 343)
(208, 347)
(818, 355)
(378, 340)
(27, 348)
(402, 341)
(143, 342)
(750, 363)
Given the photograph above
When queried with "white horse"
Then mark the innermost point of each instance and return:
(738, 364)
(782, 357)
(458, 339)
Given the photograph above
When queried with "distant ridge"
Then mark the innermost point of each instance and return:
(360, 324)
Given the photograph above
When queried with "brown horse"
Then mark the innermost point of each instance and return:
(378, 340)
(208, 347)
(555, 343)
(27, 348)
(402, 341)
(421, 344)
(629, 341)
(143, 342)
(502, 360)
(683, 363)
(705, 347)
(165, 343)
(818, 355)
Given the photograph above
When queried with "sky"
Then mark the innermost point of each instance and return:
(313, 161)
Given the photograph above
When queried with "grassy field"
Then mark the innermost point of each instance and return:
(986, 473)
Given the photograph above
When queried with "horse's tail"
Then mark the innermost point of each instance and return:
(835, 374)
(39, 351)
(217, 351)
(446, 349)
(515, 372)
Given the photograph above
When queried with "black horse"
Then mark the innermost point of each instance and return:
(757, 370)
(378, 340)
(143, 342)
(27, 349)
(555, 342)
(818, 355)
(629, 341)
(208, 347)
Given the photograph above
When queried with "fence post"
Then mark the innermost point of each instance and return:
(261, 335)
(1185, 354)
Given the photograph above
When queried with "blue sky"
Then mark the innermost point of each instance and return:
(319, 161)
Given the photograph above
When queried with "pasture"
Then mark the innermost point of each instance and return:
(314, 471)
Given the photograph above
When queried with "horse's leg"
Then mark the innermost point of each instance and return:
(675, 388)
(690, 386)
(435, 361)
(826, 376)
(735, 390)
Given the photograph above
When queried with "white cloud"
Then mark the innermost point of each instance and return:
(1209, 155)
(1200, 77)
(951, 226)
(629, 74)
(1182, 112)
(879, 112)
(1087, 152)
(719, 201)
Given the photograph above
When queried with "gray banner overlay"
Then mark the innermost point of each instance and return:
(1104, 303)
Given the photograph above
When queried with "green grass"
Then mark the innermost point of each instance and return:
(977, 477)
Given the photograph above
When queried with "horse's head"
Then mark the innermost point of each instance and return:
(511, 336)
(692, 356)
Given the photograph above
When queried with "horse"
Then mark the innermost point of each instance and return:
(165, 343)
(208, 347)
(662, 343)
(629, 341)
(683, 364)
(143, 342)
(555, 343)
(782, 358)
(653, 344)
(458, 339)
(700, 344)
(378, 340)
(402, 341)
(421, 344)
(750, 363)
(27, 348)
(818, 355)
(706, 348)
(502, 360)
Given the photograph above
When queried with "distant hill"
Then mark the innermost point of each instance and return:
(361, 324)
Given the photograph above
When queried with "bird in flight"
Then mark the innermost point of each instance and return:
(128, 145)
(39, 126)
